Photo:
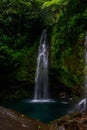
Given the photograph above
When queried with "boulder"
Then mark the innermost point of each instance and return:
(72, 121)
(11, 120)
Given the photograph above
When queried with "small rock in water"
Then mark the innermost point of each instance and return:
(65, 102)
(70, 99)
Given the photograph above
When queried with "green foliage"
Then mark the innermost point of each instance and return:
(18, 21)
(67, 43)
(21, 24)
(27, 67)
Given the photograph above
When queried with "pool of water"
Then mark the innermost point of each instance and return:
(44, 111)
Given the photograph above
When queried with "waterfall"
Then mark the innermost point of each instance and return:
(41, 77)
(82, 105)
(85, 44)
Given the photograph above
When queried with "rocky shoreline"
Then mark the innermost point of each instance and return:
(11, 120)
(73, 121)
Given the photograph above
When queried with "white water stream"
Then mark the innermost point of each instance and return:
(41, 78)
(82, 105)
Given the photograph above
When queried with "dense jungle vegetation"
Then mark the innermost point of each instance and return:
(21, 24)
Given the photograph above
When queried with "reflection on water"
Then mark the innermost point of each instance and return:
(44, 111)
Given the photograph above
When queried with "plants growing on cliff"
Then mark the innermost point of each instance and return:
(21, 23)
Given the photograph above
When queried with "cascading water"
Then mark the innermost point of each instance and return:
(41, 78)
(85, 44)
(82, 105)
